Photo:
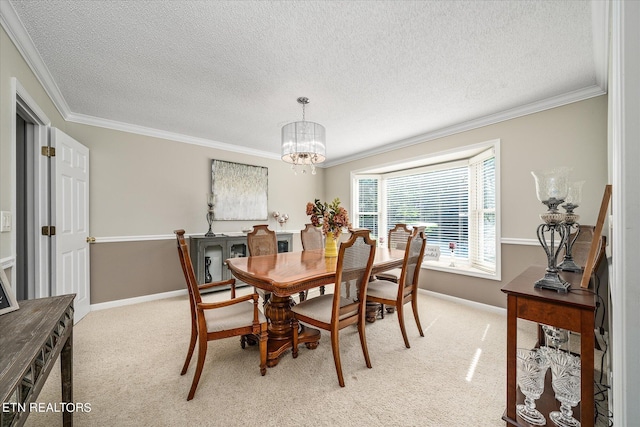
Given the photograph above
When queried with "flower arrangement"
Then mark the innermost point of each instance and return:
(330, 216)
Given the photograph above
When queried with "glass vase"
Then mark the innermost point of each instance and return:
(532, 368)
(331, 246)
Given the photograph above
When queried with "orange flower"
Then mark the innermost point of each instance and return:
(331, 216)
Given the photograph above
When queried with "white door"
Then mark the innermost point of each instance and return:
(70, 215)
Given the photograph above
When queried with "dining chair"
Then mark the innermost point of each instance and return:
(333, 312)
(405, 290)
(397, 239)
(262, 241)
(238, 316)
(312, 239)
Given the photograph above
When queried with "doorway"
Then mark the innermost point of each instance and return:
(31, 273)
(25, 207)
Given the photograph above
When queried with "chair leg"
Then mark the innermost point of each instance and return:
(303, 296)
(382, 310)
(263, 350)
(192, 346)
(322, 290)
(202, 353)
(294, 345)
(414, 306)
(335, 346)
(363, 343)
(400, 311)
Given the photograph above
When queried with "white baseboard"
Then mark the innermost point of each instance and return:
(474, 304)
(171, 294)
(137, 300)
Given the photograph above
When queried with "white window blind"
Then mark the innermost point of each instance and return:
(456, 200)
(438, 199)
(368, 204)
(482, 224)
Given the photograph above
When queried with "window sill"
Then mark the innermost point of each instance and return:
(444, 265)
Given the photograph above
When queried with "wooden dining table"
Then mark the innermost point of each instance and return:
(288, 273)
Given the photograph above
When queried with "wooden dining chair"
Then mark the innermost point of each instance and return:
(397, 239)
(312, 239)
(262, 241)
(238, 316)
(405, 290)
(333, 312)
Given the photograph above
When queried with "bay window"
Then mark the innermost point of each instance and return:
(453, 195)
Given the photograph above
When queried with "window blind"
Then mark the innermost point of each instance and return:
(367, 209)
(436, 199)
(482, 233)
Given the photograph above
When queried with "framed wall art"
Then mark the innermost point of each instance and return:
(7, 300)
(239, 191)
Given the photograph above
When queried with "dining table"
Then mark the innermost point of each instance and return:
(289, 273)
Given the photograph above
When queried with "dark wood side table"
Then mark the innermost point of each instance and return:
(573, 311)
(31, 338)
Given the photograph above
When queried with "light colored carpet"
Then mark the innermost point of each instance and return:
(127, 363)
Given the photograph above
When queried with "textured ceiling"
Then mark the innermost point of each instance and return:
(378, 74)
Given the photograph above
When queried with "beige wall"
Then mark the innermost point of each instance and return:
(572, 135)
(142, 186)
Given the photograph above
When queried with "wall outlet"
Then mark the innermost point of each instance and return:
(5, 221)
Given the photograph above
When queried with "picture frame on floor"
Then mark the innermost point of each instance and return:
(8, 301)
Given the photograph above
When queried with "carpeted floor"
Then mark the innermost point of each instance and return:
(127, 363)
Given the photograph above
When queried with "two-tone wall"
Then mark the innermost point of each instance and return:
(142, 188)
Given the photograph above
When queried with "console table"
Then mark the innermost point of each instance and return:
(221, 247)
(573, 311)
(31, 338)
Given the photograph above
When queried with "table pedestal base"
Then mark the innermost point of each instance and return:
(278, 310)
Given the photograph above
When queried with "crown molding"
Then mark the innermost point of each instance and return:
(172, 136)
(534, 107)
(15, 29)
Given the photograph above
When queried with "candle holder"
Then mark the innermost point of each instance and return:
(281, 219)
(551, 190)
(210, 233)
(572, 201)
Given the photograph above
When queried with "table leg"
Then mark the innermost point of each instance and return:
(66, 373)
(278, 310)
(512, 337)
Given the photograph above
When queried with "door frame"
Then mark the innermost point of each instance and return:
(22, 102)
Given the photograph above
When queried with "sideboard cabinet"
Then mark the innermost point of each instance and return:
(208, 254)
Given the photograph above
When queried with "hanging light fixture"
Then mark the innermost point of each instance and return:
(303, 143)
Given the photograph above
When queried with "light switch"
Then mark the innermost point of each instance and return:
(5, 221)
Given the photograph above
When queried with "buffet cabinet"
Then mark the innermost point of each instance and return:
(208, 254)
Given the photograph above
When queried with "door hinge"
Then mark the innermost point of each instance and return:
(48, 151)
(49, 230)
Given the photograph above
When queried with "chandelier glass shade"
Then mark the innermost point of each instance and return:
(303, 142)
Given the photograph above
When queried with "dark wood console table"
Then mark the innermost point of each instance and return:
(31, 338)
(573, 311)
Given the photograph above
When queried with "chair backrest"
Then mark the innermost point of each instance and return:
(398, 236)
(311, 237)
(262, 241)
(345, 236)
(187, 269)
(353, 269)
(413, 257)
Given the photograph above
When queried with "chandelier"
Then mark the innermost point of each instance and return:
(303, 143)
